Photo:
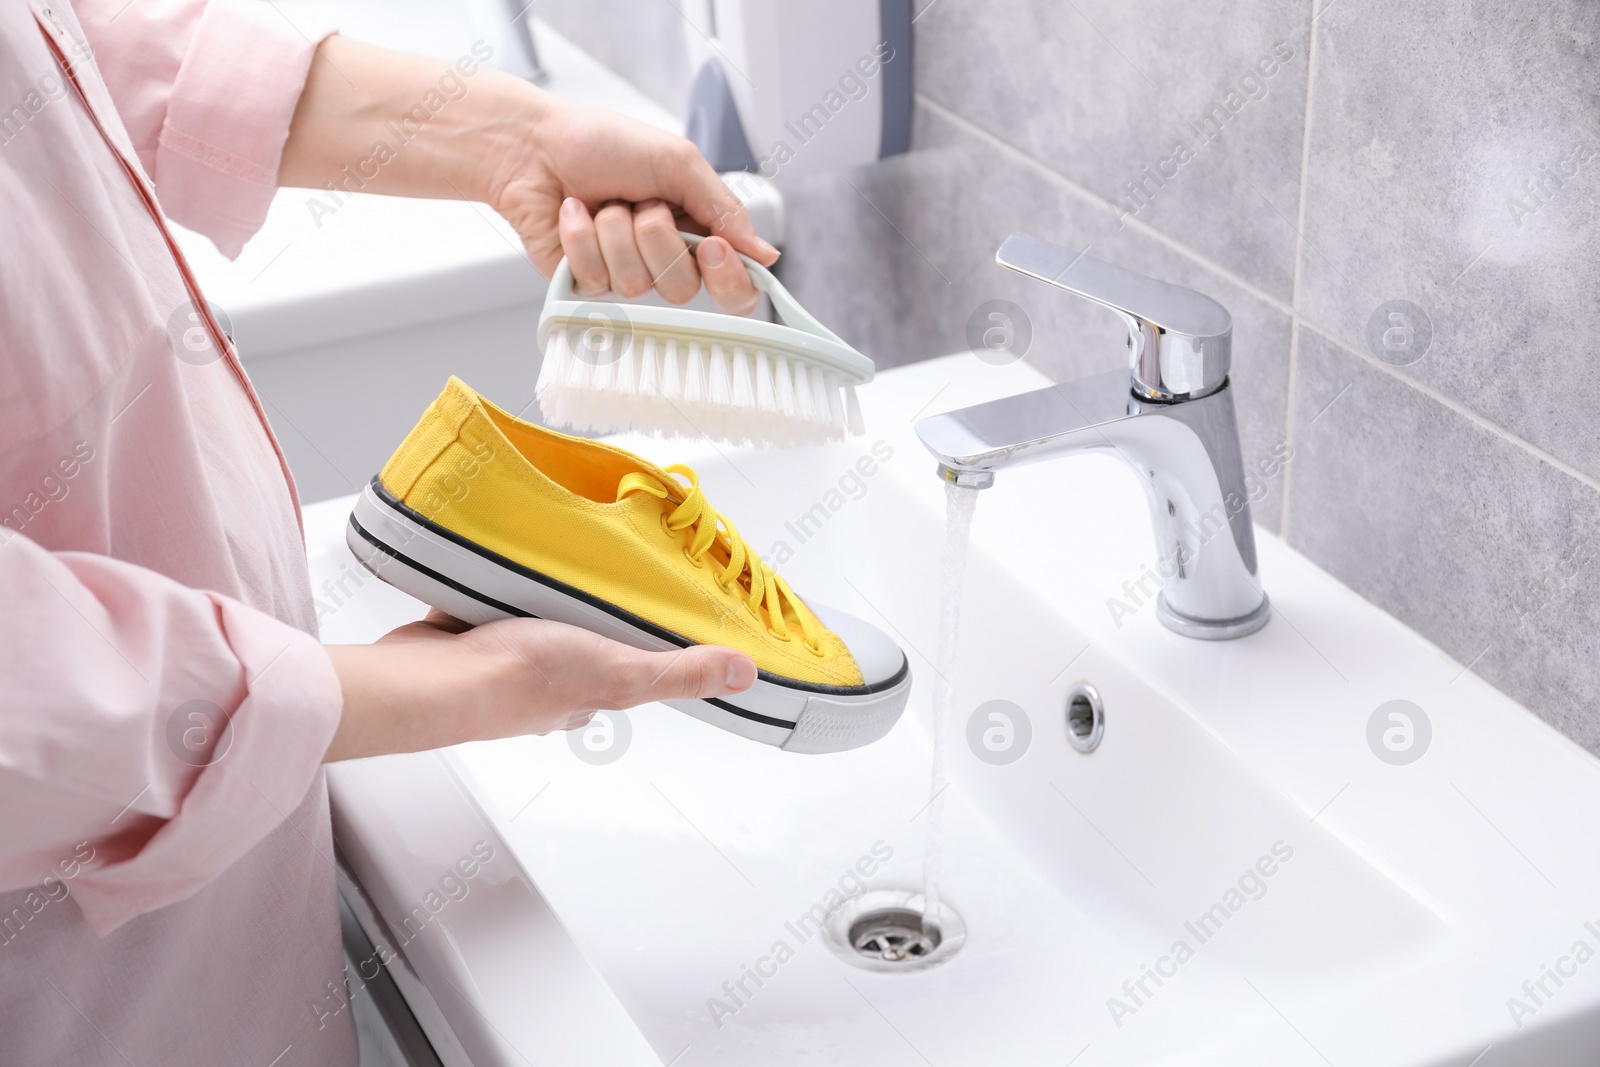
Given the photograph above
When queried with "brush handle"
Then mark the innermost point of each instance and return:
(783, 302)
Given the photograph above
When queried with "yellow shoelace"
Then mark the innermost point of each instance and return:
(763, 587)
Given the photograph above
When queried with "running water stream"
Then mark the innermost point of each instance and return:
(960, 503)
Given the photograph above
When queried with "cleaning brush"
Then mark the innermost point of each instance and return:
(611, 367)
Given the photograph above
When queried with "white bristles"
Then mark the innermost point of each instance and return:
(744, 394)
(721, 391)
(627, 379)
(671, 376)
(649, 372)
(856, 424)
(835, 405)
(819, 397)
(596, 380)
(694, 385)
(766, 389)
(645, 415)
(802, 392)
(551, 375)
(785, 386)
(604, 364)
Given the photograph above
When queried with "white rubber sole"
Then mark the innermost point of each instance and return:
(476, 585)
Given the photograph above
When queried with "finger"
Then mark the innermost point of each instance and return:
(696, 672)
(690, 181)
(582, 247)
(441, 620)
(665, 253)
(613, 226)
(577, 720)
(726, 278)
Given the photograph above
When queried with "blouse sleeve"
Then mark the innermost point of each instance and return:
(206, 90)
(153, 731)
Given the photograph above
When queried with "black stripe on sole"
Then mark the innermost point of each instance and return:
(638, 623)
(517, 612)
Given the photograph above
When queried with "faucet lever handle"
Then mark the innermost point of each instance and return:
(1180, 342)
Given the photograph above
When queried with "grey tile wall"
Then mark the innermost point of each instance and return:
(1442, 521)
(899, 258)
(1452, 161)
(1104, 92)
(1455, 163)
(1431, 121)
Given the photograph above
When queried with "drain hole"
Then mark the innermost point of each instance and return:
(885, 930)
(1086, 717)
(893, 935)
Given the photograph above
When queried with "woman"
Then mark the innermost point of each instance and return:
(166, 882)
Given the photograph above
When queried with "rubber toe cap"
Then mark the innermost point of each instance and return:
(875, 652)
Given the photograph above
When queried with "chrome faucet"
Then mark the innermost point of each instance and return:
(1171, 419)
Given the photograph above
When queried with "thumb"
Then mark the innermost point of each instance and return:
(712, 204)
(692, 673)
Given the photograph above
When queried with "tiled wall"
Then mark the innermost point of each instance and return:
(1436, 152)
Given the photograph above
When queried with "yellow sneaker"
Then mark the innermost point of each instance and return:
(486, 517)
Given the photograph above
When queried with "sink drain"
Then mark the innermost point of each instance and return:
(884, 931)
(893, 936)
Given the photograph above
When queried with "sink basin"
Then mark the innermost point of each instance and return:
(1235, 875)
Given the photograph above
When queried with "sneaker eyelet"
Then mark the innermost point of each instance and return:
(815, 650)
(699, 563)
(779, 637)
(669, 531)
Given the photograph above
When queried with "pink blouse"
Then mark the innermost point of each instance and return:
(166, 865)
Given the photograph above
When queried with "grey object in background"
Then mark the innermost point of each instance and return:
(894, 27)
(521, 23)
(800, 86)
(713, 123)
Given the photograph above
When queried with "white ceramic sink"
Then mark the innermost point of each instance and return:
(1405, 902)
